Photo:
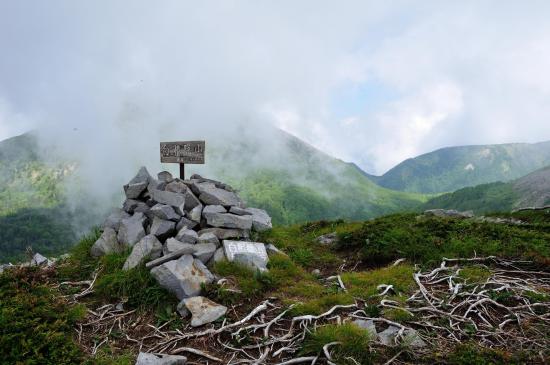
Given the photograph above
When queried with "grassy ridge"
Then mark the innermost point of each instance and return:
(362, 251)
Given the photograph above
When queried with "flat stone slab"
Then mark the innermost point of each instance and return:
(203, 310)
(228, 220)
(183, 276)
(251, 254)
(145, 358)
(148, 247)
(172, 245)
(224, 233)
(211, 195)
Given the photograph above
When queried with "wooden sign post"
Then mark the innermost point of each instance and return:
(182, 152)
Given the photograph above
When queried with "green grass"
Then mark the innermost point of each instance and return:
(35, 323)
(354, 342)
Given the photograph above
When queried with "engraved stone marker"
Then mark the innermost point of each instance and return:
(182, 153)
(254, 252)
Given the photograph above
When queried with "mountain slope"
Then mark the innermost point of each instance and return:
(453, 168)
(293, 181)
(532, 190)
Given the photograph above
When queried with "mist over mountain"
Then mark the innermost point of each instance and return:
(293, 181)
(453, 168)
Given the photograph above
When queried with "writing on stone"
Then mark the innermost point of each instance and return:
(191, 152)
(233, 248)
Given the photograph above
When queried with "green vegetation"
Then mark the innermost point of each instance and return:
(452, 168)
(352, 342)
(34, 310)
(35, 324)
(481, 199)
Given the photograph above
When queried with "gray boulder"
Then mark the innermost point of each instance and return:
(131, 229)
(191, 201)
(209, 237)
(182, 309)
(213, 209)
(148, 247)
(165, 177)
(162, 229)
(239, 211)
(219, 256)
(39, 260)
(203, 310)
(132, 206)
(261, 221)
(183, 277)
(165, 212)
(328, 239)
(251, 254)
(224, 234)
(387, 337)
(106, 244)
(133, 191)
(228, 220)
(272, 250)
(176, 200)
(145, 358)
(366, 325)
(185, 222)
(172, 245)
(204, 251)
(187, 235)
(211, 195)
(177, 186)
(449, 213)
(114, 219)
(195, 214)
(413, 339)
(142, 176)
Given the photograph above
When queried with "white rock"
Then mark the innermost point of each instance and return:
(367, 325)
(148, 247)
(203, 310)
(251, 254)
(145, 358)
(183, 277)
(39, 260)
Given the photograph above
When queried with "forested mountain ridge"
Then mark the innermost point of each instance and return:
(452, 168)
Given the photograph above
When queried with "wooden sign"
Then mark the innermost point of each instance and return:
(182, 152)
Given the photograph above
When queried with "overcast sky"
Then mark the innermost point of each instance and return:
(364, 81)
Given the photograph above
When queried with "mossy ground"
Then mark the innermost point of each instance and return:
(362, 257)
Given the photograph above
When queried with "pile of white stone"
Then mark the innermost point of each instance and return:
(180, 228)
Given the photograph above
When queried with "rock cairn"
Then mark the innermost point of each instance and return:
(180, 228)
